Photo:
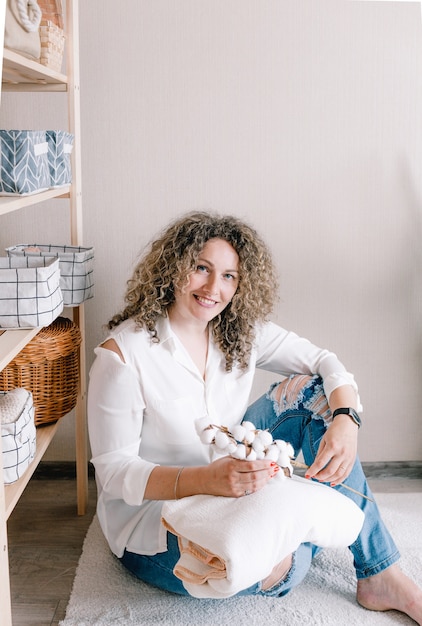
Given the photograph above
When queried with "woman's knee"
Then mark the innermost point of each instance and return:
(302, 391)
(288, 391)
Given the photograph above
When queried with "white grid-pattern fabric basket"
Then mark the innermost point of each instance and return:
(30, 293)
(60, 145)
(76, 268)
(23, 162)
(18, 437)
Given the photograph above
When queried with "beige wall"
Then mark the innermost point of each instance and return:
(302, 116)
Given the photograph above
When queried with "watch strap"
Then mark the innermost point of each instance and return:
(352, 413)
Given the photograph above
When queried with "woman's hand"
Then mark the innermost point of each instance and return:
(233, 478)
(337, 452)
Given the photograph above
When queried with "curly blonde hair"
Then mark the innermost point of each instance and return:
(166, 265)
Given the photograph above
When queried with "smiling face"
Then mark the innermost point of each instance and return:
(211, 286)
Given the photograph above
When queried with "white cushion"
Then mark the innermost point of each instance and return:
(251, 534)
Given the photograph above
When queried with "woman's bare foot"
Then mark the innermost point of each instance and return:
(278, 574)
(391, 589)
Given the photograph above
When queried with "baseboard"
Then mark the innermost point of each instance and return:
(394, 469)
(59, 470)
(66, 470)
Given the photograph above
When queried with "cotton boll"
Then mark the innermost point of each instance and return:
(207, 435)
(249, 436)
(290, 450)
(287, 471)
(283, 459)
(257, 445)
(252, 455)
(272, 453)
(215, 453)
(221, 440)
(266, 437)
(240, 452)
(260, 454)
(201, 424)
(284, 446)
(239, 432)
(248, 425)
(232, 447)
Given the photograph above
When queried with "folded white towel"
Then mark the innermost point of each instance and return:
(228, 544)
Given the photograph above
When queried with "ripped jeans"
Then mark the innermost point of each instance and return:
(301, 418)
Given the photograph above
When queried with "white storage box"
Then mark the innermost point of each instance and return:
(23, 162)
(30, 294)
(76, 268)
(60, 145)
(18, 432)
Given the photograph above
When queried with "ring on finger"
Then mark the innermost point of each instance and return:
(247, 492)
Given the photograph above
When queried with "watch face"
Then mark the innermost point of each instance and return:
(355, 417)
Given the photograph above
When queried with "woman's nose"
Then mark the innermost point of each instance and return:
(212, 284)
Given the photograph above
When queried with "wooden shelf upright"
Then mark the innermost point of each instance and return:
(20, 74)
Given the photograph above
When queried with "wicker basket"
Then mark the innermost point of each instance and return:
(48, 366)
(52, 34)
(52, 45)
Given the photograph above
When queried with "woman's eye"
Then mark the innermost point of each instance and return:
(201, 268)
(230, 276)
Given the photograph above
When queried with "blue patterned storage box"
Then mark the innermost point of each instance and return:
(30, 294)
(60, 145)
(23, 162)
(76, 268)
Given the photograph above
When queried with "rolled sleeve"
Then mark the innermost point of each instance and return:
(286, 353)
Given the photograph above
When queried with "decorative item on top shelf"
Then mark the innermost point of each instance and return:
(23, 162)
(21, 33)
(60, 146)
(76, 268)
(48, 366)
(30, 294)
(52, 35)
(52, 10)
(18, 432)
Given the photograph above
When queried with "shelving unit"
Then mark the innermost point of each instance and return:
(23, 75)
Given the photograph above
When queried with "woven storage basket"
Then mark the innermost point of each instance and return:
(52, 34)
(52, 45)
(48, 366)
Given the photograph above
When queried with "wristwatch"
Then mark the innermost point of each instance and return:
(351, 413)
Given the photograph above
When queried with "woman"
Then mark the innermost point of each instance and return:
(194, 329)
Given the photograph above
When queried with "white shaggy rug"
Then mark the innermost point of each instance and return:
(104, 593)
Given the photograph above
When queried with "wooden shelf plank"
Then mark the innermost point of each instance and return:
(13, 341)
(14, 491)
(8, 204)
(18, 70)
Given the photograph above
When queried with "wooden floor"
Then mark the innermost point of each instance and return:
(46, 537)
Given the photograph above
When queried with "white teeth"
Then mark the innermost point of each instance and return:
(205, 300)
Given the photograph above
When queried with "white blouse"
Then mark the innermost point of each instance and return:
(141, 413)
